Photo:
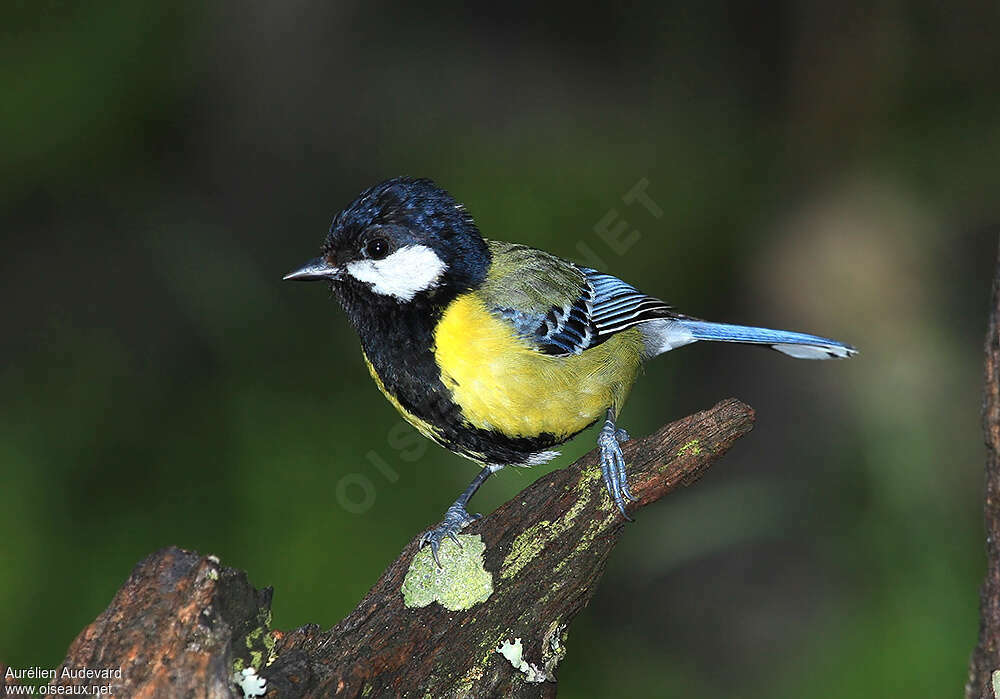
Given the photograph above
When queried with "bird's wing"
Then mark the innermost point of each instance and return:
(561, 308)
(618, 306)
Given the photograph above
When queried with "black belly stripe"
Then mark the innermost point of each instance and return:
(398, 341)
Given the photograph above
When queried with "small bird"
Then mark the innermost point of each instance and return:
(498, 351)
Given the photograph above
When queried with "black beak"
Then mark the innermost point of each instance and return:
(312, 271)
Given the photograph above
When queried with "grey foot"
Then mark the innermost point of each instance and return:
(455, 520)
(613, 465)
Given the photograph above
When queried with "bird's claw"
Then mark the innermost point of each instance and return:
(613, 466)
(455, 520)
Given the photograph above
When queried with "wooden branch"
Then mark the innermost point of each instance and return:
(986, 656)
(182, 623)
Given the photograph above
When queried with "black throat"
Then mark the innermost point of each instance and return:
(398, 340)
(391, 331)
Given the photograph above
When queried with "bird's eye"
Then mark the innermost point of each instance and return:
(376, 248)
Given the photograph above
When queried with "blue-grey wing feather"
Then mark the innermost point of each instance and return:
(562, 330)
(618, 305)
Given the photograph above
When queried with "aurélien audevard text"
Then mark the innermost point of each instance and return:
(67, 673)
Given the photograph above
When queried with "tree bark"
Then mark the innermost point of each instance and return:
(182, 624)
(986, 656)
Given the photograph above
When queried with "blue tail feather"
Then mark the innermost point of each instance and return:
(800, 345)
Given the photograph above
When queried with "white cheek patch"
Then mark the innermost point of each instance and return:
(403, 274)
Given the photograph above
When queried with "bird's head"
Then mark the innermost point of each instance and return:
(398, 241)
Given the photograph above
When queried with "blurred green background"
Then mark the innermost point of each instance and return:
(826, 167)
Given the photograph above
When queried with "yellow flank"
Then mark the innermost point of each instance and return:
(501, 383)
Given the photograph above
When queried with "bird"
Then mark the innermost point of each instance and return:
(498, 351)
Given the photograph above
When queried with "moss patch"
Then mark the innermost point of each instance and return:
(526, 546)
(535, 538)
(260, 645)
(532, 540)
(693, 448)
(461, 583)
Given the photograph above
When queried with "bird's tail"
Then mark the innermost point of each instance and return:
(667, 333)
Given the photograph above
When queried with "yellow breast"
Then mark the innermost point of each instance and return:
(502, 384)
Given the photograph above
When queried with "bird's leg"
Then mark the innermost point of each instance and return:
(613, 463)
(456, 518)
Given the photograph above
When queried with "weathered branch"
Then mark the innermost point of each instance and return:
(986, 657)
(182, 622)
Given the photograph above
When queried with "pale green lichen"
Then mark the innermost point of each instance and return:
(593, 529)
(250, 683)
(469, 680)
(526, 546)
(692, 448)
(553, 651)
(514, 652)
(461, 582)
(535, 538)
(487, 647)
(587, 474)
(270, 644)
(589, 479)
(996, 683)
(260, 644)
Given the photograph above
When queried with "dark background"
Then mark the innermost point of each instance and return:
(827, 167)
